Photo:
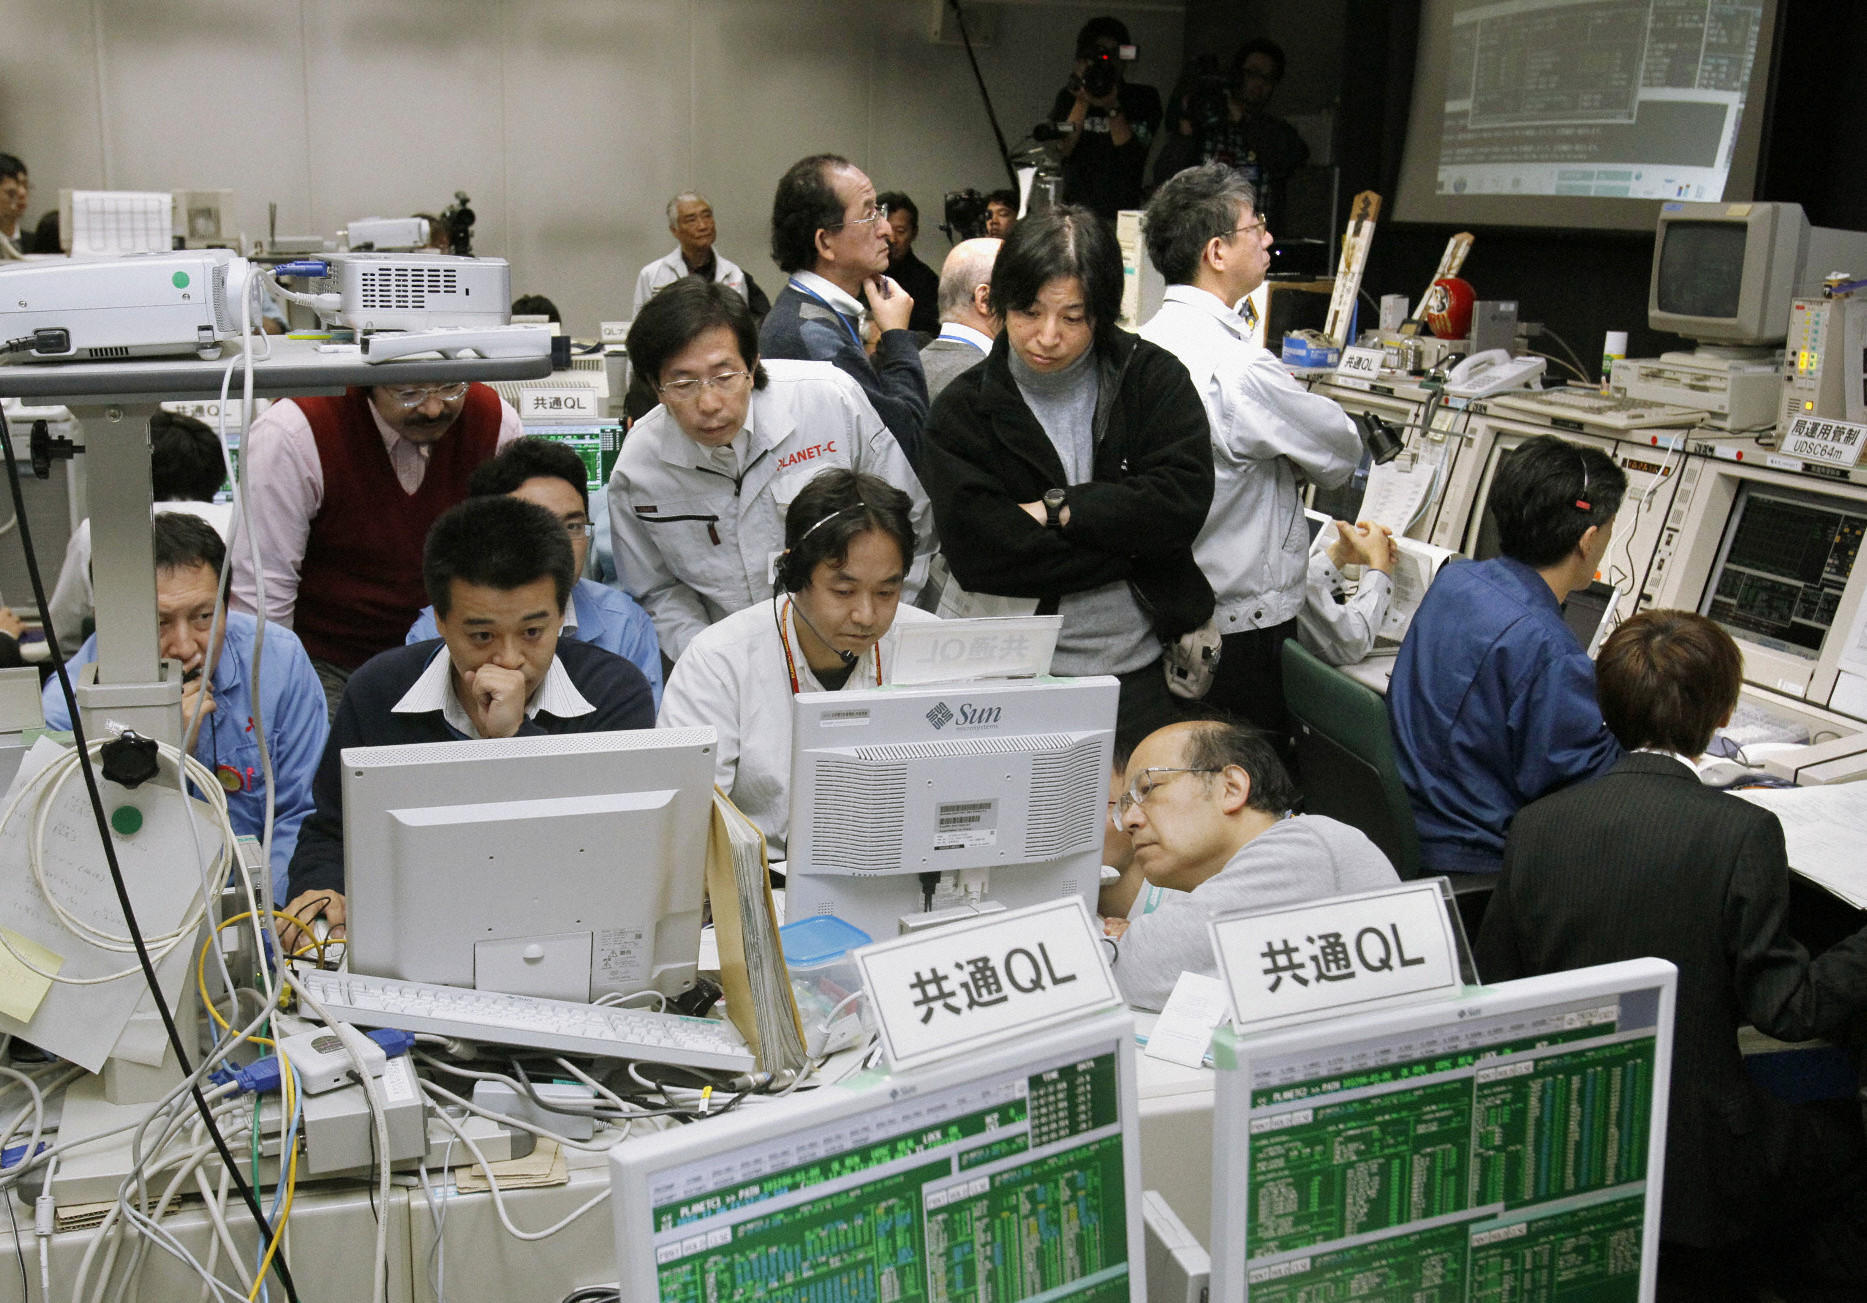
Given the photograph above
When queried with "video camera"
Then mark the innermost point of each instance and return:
(1104, 70)
(966, 214)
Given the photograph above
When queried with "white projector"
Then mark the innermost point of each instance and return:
(141, 305)
(416, 291)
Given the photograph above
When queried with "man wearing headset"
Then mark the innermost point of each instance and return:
(830, 627)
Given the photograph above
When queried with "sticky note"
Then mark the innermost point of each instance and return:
(22, 991)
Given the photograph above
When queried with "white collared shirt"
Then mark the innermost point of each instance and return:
(966, 335)
(556, 695)
(830, 294)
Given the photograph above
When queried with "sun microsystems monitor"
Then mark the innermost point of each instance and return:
(567, 866)
(1005, 782)
(1011, 1175)
(1506, 1144)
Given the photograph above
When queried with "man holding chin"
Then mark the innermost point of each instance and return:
(499, 571)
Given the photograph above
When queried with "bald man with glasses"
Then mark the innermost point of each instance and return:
(343, 491)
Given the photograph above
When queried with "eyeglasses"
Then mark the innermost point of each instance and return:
(730, 384)
(415, 395)
(879, 213)
(1246, 229)
(1144, 786)
(580, 528)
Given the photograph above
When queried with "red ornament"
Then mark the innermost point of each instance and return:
(1449, 307)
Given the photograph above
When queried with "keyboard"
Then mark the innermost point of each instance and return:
(1591, 407)
(559, 1026)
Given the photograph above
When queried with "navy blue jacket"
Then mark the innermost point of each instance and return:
(798, 326)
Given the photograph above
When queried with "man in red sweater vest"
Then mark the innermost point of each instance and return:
(343, 491)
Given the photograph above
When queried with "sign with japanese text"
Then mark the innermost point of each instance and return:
(614, 332)
(955, 989)
(1832, 443)
(999, 647)
(1348, 954)
(1359, 366)
(565, 403)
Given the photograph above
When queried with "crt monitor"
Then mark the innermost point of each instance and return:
(1005, 783)
(1012, 1175)
(1724, 274)
(1506, 1144)
(567, 866)
(1783, 566)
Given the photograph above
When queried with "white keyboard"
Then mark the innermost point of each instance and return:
(559, 1026)
(1591, 407)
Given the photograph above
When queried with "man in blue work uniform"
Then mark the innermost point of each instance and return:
(217, 684)
(1492, 699)
(551, 476)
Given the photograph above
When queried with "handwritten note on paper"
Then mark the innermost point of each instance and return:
(1824, 828)
(21, 989)
(83, 1023)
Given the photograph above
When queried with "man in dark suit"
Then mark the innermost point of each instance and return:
(1644, 860)
(967, 323)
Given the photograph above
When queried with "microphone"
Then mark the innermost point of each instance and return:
(849, 659)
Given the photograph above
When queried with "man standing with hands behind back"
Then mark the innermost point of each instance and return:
(830, 234)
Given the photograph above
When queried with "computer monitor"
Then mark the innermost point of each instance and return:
(1005, 782)
(1012, 1174)
(1724, 274)
(1773, 558)
(1505, 1144)
(1639, 525)
(567, 866)
(597, 442)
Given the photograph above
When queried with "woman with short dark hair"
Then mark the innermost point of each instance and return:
(1074, 468)
(1646, 860)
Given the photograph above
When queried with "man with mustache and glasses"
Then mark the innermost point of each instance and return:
(343, 492)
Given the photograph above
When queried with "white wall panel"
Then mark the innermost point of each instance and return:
(568, 122)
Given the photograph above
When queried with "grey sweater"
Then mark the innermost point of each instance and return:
(1104, 629)
(1303, 858)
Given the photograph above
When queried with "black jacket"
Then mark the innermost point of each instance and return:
(366, 718)
(1645, 860)
(1135, 520)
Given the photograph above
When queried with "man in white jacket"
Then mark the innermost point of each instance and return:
(690, 222)
(831, 628)
(1205, 236)
(698, 496)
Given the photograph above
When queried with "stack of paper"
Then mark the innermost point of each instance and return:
(752, 969)
(1825, 828)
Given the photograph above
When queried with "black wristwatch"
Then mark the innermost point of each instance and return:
(1053, 509)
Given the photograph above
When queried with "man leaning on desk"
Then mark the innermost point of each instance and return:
(499, 571)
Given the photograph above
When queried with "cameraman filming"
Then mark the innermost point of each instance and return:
(1110, 123)
(1226, 119)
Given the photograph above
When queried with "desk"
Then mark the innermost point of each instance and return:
(331, 1233)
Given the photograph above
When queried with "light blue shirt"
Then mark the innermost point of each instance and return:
(600, 615)
(296, 723)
